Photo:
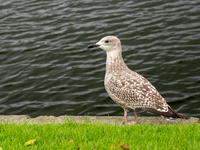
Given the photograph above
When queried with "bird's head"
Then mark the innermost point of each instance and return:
(108, 43)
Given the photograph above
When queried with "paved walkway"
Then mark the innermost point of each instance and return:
(106, 119)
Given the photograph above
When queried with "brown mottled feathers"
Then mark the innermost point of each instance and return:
(131, 91)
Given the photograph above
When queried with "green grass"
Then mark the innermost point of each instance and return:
(99, 136)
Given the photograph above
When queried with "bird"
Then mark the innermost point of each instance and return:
(129, 89)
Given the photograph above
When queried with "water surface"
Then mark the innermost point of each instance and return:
(46, 68)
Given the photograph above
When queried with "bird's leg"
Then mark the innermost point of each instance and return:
(125, 117)
(135, 112)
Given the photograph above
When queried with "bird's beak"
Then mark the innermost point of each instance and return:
(93, 45)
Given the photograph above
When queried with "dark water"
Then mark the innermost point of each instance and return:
(46, 69)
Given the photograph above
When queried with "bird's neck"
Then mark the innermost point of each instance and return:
(115, 62)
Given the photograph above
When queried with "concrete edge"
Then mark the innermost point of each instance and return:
(104, 119)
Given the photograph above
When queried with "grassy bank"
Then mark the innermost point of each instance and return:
(72, 136)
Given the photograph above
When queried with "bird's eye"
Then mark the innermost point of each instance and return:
(106, 41)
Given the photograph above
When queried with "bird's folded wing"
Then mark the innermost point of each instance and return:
(134, 91)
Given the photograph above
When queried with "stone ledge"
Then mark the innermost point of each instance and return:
(105, 119)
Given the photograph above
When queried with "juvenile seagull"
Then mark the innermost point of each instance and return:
(129, 89)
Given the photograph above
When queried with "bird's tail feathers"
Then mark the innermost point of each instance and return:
(179, 115)
(170, 114)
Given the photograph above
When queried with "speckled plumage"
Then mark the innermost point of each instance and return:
(127, 88)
